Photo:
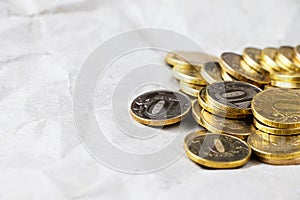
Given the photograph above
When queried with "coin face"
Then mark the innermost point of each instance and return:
(252, 57)
(188, 74)
(230, 62)
(236, 127)
(232, 96)
(279, 108)
(274, 146)
(190, 89)
(186, 58)
(224, 113)
(161, 107)
(211, 72)
(216, 150)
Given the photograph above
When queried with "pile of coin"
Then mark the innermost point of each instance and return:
(225, 94)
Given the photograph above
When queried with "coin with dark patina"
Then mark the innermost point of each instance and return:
(161, 107)
(211, 72)
(216, 150)
(232, 96)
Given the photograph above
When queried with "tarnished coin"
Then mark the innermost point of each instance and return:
(187, 58)
(161, 107)
(211, 72)
(282, 84)
(252, 57)
(275, 131)
(236, 127)
(274, 147)
(190, 89)
(284, 58)
(295, 161)
(188, 74)
(227, 77)
(216, 150)
(233, 96)
(286, 77)
(278, 108)
(268, 62)
(230, 62)
(214, 110)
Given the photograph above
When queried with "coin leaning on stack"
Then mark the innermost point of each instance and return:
(227, 90)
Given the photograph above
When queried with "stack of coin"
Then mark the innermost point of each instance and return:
(276, 136)
(225, 107)
(187, 67)
(286, 80)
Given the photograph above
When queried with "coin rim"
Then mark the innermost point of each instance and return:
(187, 78)
(275, 131)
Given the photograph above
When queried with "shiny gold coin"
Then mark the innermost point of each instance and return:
(282, 84)
(284, 67)
(216, 150)
(279, 108)
(275, 131)
(252, 57)
(285, 55)
(187, 58)
(211, 72)
(286, 77)
(230, 62)
(296, 63)
(297, 53)
(295, 161)
(227, 77)
(236, 127)
(223, 113)
(274, 147)
(160, 107)
(190, 89)
(268, 62)
(233, 96)
(196, 110)
(188, 74)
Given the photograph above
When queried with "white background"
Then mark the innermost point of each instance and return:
(42, 46)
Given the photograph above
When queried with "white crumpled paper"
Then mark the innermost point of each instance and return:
(42, 46)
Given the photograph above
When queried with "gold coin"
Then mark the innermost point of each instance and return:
(188, 58)
(284, 67)
(295, 161)
(251, 57)
(297, 53)
(275, 131)
(160, 107)
(268, 62)
(233, 96)
(279, 108)
(188, 74)
(223, 113)
(286, 54)
(190, 89)
(296, 63)
(211, 72)
(275, 147)
(282, 84)
(236, 127)
(230, 62)
(216, 150)
(286, 77)
(227, 77)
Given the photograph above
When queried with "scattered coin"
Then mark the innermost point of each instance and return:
(190, 89)
(188, 74)
(187, 58)
(158, 108)
(274, 147)
(233, 96)
(211, 72)
(216, 150)
(279, 108)
(230, 62)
